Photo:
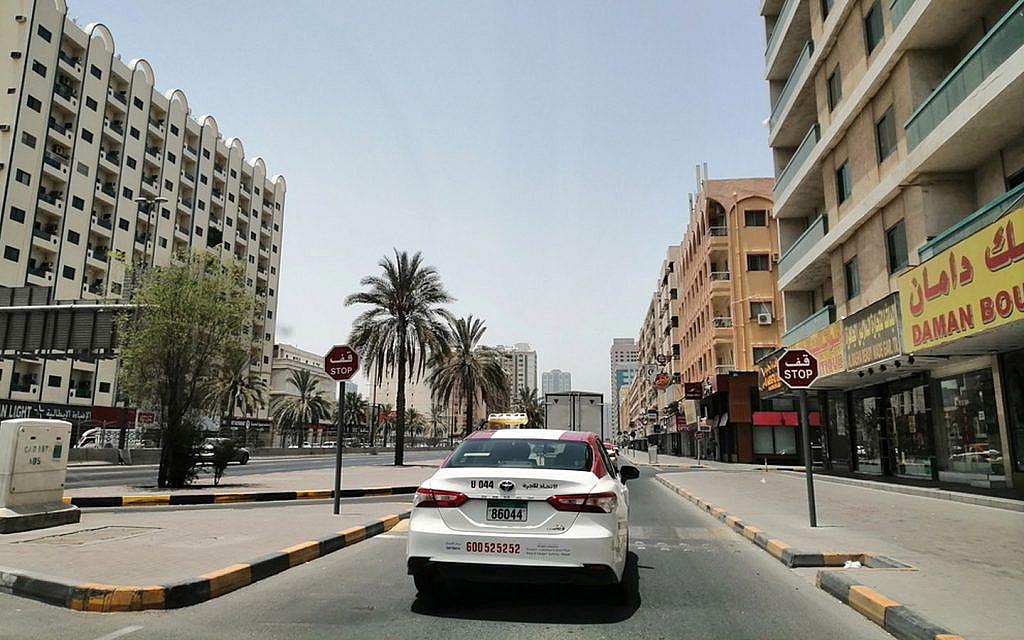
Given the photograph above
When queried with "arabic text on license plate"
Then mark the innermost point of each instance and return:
(506, 510)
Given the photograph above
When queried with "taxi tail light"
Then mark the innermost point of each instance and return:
(438, 498)
(585, 502)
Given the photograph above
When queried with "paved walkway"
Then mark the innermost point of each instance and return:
(969, 559)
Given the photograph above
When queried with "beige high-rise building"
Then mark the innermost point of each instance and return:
(520, 365)
(898, 142)
(100, 171)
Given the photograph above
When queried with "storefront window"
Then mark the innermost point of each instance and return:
(779, 441)
(913, 432)
(1013, 391)
(866, 418)
(969, 446)
(838, 435)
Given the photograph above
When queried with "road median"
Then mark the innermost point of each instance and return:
(86, 502)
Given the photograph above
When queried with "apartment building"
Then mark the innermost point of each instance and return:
(101, 171)
(288, 360)
(899, 154)
(623, 359)
(520, 364)
(729, 307)
(555, 381)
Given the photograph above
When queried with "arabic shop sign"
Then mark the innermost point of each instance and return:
(769, 373)
(827, 346)
(873, 333)
(975, 285)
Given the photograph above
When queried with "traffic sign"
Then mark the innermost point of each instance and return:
(341, 362)
(798, 368)
(661, 358)
(699, 435)
(662, 380)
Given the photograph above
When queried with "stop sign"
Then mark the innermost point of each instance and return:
(341, 362)
(798, 368)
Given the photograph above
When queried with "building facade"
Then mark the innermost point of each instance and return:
(555, 381)
(520, 364)
(623, 359)
(99, 172)
(899, 154)
(288, 360)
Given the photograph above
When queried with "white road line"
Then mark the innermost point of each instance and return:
(120, 632)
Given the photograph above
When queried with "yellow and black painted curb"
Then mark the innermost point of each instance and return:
(91, 596)
(887, 613)
(221, 498)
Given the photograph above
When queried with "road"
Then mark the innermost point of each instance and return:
(110, 475)
(694, 579)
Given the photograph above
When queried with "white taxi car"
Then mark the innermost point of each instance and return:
(522, 506)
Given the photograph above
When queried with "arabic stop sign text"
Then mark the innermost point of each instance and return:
(798, 368)
(341, 362)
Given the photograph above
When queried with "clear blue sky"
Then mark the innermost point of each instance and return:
(539, 154)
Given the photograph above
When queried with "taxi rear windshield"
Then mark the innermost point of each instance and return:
(524, 453)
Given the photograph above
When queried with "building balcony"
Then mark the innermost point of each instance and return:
(188, 177)
(66, 94)
(998, 46)
(81, 393)
(814, 233)
(181, 232)
(792, 29)
(105, 193)
(102, 224)
(71, 63)
(191, 151)
(114, 125)
(21, 391)
(45, 238)
(970, 225)
(185, 204)
(95, 287)
(794, 88)
(110, 161)
(118, 99)
(797, 170)
(150, 185)
(56, 165)
(51, 202)
(725, 368)
(810, 325)
(721, 322)
(97, 257)
(156, 126)
(44, 272)
(62, 132)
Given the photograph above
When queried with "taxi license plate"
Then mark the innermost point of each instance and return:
(506, 510)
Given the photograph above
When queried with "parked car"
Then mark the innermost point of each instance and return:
(241, 455)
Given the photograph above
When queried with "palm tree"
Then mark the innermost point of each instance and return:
(438, 421)
(530, 404)
(402, 327)
(465, 369)
(385, 421)
(235, 385)
(355, 412)
(308, 407)
(415, 421)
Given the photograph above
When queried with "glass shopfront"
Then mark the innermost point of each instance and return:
(838, 441)
(910, 429)
(867, 413)
(969, 446)
(1013, 391)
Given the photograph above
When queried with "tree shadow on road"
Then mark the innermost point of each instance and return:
(556, 603)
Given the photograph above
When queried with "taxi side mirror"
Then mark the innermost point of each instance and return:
(628, 472)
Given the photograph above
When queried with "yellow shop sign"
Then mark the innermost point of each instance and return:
(975, 285)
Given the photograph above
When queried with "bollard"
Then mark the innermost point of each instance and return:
(652, 454)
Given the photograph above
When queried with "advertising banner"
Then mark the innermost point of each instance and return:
(827, 347)
(973, 286)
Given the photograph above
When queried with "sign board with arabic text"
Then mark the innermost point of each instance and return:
(873, 333)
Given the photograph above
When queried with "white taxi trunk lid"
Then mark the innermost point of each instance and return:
(534, 486)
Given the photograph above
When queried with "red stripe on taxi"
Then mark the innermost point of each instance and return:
(481, 435)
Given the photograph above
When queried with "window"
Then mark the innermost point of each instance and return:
(758, 307)
(199, 232)
(77, 203)
(252, 260)
(826, 6)
(843, 187)
(274, 248)
(115, 288)
(163, 243)
(761, 352)
(852, 278)
(104, 387)
(168, 184)
(203, 179)
(68, 272)
(133, 132)
(252, 235)
(122, 224)
(874, 30)
(165, 213)
(896, 245)
(39, 68)
(234, 174)
(231, 197)
(17, 214)
(53, 381)
(757, 262)
(202, 205)
(28, 139)
(130, 162)
(171, 157)
(266, 360)
(755, 218)
(273, 270)
(271, 292)
(83, 169)
(86, 135)
(33, 103)
(24, 177)
(137, 102)
(128, 193)
(174, 130)
(270, 314)
(774, 440)
(229, 221)
(73, 236)
(11, 253)
(95, 71)
(885, 134)
(206, 153)
(835, 88)
(276, 228)
(44, 33)
(89, 102)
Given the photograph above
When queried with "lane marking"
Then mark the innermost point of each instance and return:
(121, 632)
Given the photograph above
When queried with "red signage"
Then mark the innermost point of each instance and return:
(662, 380)
(692, 391)
(798, 368)
(341, 362)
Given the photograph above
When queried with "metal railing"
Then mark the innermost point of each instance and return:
(799, 158)
(721, 322)
(809, 326)
(791, 83)
(785, 16)
(1005, 38)
(719, 275)
(63, 91)
(718, 232)
(972, 223)
(811, 235)
(898, 9)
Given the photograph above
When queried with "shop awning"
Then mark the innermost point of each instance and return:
(784, 419)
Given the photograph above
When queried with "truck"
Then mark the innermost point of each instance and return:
(575, 411)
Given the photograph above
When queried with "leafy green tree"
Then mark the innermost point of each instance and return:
(308, 406)
(224, 450)
(356, 407)
(438, 421)
(415, 422)
(402, 327)
(187, 317)
(464, 369)
(531, 405)
(235, 385)
(385, 422)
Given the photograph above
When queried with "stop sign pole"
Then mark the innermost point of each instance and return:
(799, 369)
(341, 363)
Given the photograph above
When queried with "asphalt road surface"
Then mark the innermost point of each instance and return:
(111, 475)
(692, 578)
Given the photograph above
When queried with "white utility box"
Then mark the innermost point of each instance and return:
(33, 466)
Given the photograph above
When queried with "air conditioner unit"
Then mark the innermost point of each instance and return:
(764, 318)
(5, 127)
(775, 258)
(19, 18)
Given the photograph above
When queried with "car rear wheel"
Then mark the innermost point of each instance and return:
(244, 459)
(428, 584)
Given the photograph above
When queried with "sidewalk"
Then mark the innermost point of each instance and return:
(968, 560)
